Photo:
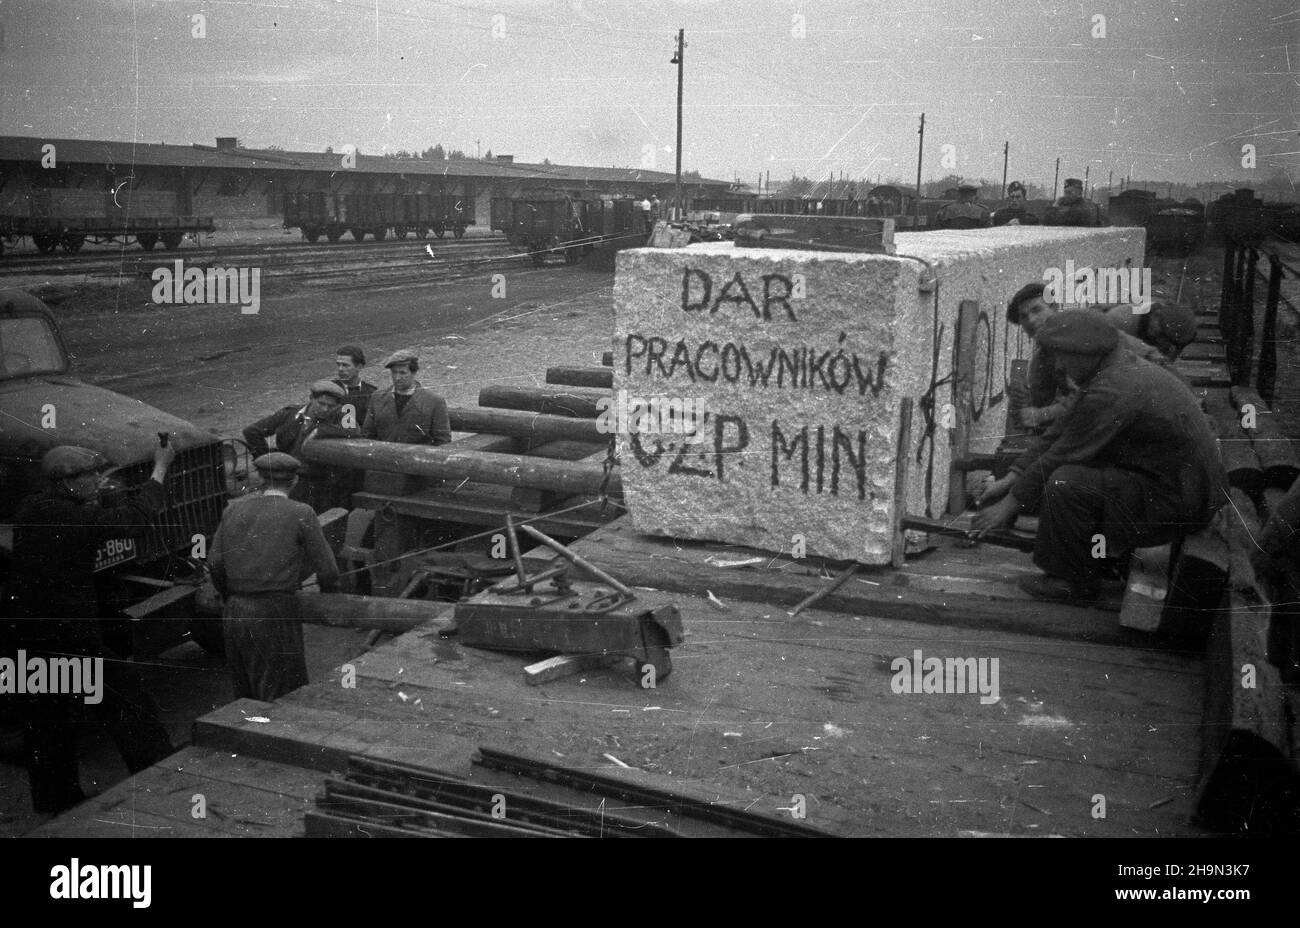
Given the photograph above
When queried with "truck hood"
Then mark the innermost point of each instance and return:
(122, 429)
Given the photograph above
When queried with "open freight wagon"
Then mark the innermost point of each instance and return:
(377, 214)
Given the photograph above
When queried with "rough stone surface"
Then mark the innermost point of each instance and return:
(814, 362)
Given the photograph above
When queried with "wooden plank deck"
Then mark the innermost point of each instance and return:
(762, 707)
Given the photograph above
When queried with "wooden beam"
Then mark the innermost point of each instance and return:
(963, 391)
(576, 402)
(532, 426)
(902, 452)
(1236, 451)
(598, 377)
(387, 614)
(570, 477)
(1248, 785)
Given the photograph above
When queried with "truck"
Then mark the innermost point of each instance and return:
(42, 404)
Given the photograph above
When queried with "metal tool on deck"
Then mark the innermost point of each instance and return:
(548, 611)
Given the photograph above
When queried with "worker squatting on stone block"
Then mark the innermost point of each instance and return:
(1132, 463)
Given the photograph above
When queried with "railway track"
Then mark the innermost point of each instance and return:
(131, 257)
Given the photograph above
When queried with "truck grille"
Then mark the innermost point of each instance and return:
(196, 497)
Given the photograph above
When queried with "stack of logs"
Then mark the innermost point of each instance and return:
(536, 438)
(1249, 773)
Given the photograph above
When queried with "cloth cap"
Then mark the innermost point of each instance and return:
(1073, 182)
(405, 356)
(1023, 295)
(1015, 185)
(1178, 322)
(70, 461)
(1079, 331)
(328, 388)
(967, 185)
(277, 463)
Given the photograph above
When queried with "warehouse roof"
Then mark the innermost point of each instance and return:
(83, 152)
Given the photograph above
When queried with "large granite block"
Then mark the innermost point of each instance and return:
(800, 360)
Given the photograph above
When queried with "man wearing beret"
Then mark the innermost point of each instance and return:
(348, 361)
(265, 546)
(965, 213)
(406, 412)
(57, 533)
(1045, 397)
(320, 487)
(1133, 460)
(1072, 209)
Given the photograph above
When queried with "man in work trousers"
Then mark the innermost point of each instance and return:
(265, 547)
(1133, 461)
(407, 412)
(56, 536)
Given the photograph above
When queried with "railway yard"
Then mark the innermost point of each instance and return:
(770, 723)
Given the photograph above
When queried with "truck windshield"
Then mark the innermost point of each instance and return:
(28, 346)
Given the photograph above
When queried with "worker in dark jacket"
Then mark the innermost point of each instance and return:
(1133, 460)
(1045, 397)
(348, 361)
(1072, 209)
(320, 487)
(265, 546)
(406, 412)
(1167, 327)
(966, 213)
(57, 613)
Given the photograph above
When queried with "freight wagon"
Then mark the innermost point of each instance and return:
(68, 217)
(547, 226)
(377, 214)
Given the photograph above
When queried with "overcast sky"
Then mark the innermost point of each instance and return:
(1172, 91)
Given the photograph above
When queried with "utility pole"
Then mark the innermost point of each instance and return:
(1086, 169)
(1056, 179)
(1110, 181)
(920, 150)
(1006, 153)
(679, 59)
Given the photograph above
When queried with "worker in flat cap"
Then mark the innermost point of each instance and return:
(1132, 462)
(965, 213)
(318, 486)
(1167, 327)
(406, 412)
(348, 362)
(1045, 396)
(265, 547)
(56, 612)
(1072, 209)
(1016, 211)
